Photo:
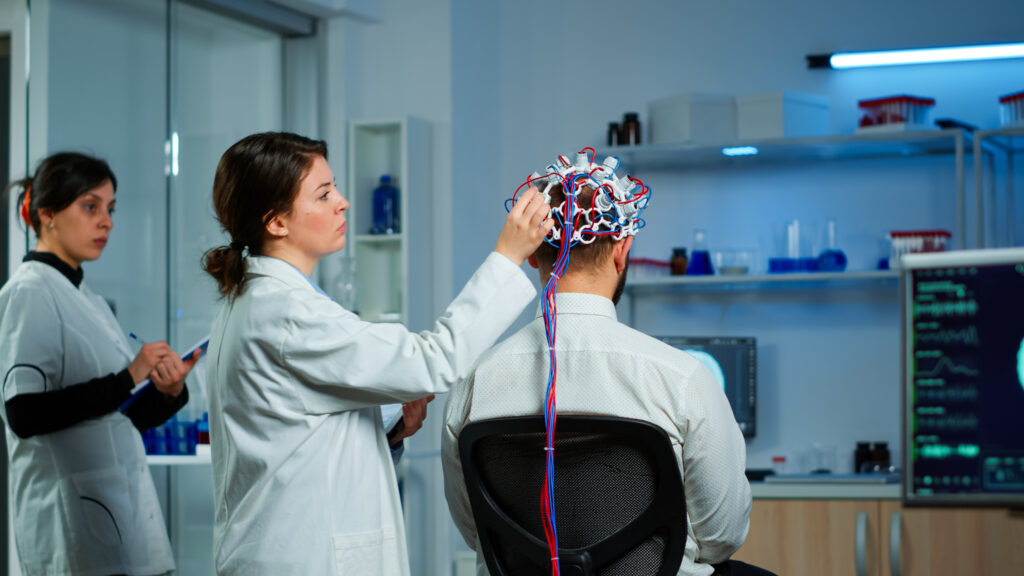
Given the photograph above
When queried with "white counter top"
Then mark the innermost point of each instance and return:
(824, 491)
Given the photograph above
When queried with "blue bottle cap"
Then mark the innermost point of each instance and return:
(385, 178)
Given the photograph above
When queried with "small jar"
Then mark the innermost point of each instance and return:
(779, 464)
(679, 261)
(630, 131)
(613, 134)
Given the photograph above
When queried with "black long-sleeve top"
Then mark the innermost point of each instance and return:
(45, 412)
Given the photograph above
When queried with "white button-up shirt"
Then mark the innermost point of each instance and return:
(605, 367)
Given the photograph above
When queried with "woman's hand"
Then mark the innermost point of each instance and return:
(149, 356)
(525, 228)
(169, 374)
(413, 415)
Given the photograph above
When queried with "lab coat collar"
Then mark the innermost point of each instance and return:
(74, 276)
(581, 303)
(277, 268)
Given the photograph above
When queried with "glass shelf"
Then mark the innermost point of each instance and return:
(1009, 139)
(379, 238)
(863, 145)
(178, 460)
(791, 281)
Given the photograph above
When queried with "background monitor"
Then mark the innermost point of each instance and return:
(963, 375)
(733, 362)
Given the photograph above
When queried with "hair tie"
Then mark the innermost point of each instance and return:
(237, 246)
(25, 214)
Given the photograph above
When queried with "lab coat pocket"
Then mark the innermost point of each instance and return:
(366, 553)
(101, 504)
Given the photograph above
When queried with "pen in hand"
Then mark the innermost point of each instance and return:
(136, 338)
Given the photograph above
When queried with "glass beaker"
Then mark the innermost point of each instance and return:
(700, 259)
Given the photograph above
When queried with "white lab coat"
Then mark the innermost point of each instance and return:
(84, 502)
(304, 484)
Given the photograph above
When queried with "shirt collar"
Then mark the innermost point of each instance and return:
(580, 303)
(74, 276)
(277, 268)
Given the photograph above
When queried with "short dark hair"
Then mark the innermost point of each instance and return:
(581, 255)
(58, 181)
(257, 178)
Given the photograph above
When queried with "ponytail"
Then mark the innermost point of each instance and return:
(227, 266)
(24, 198)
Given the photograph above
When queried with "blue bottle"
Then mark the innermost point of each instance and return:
(385, 207)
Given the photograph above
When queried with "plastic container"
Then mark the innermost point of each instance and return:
(1011, 109)
(913, 241)
(779, 464)
(385, 207)
(708, 118)
(896, 113)
(784, 114)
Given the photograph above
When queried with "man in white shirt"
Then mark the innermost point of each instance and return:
(606, 367)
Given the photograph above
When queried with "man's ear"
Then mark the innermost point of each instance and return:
(276, 226)
(620, 254)
(533, 261)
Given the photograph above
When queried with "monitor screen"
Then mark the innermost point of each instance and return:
(963, 374)
(733, 362)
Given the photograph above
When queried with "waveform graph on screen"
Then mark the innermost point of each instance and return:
(963, 346)
(935, 363)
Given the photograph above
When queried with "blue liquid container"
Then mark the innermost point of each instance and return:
(385, 207)
(700, 264)
(832, 260)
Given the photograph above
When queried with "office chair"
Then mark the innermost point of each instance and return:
(619, 501)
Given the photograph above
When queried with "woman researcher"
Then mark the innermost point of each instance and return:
(84, 502)
(303, 478)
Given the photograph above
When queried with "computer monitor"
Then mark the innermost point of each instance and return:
(963, 378)
(733, 362)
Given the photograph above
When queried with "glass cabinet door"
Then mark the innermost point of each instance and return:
(226, 79)
(106, 93)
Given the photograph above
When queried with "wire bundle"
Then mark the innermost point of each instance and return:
(614, 210)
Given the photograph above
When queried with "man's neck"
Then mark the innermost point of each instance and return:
(586, 283)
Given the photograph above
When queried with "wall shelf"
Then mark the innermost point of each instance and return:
(178, 460)
(791, 281)
(379, 238)
(868, 145)
(839, 147)
(1009, 142)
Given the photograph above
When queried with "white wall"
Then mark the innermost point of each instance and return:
(533, 79)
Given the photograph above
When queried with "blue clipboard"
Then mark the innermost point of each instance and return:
(141, 388)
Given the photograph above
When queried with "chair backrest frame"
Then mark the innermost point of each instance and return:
(667, 510)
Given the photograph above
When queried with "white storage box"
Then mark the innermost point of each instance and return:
(781, 115)
(704, 118)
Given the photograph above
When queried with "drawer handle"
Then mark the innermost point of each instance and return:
(895, 536)
(860, 542)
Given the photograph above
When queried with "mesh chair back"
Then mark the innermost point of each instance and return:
(620, 509)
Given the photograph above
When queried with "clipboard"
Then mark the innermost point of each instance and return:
(139, 389)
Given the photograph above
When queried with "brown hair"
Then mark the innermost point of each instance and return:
(257, 178)
(581, 255)
(59, 180)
